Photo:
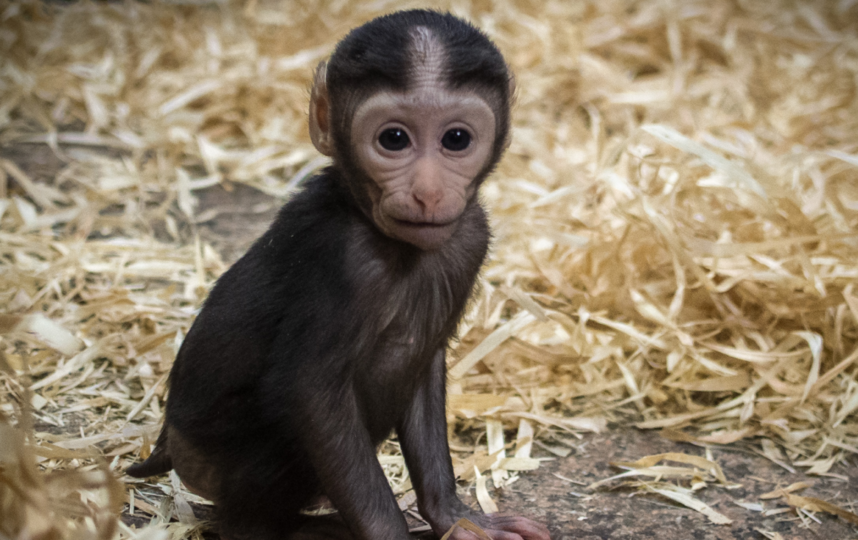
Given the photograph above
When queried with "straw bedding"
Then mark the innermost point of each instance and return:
(675, 231)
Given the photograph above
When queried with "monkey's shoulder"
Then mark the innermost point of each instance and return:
(314, 221)
(276, 297)
(306, 237)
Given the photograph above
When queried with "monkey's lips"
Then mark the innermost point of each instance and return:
(425, 235)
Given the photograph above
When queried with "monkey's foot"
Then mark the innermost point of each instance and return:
(500, 527)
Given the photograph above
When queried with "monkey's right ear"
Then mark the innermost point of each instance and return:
(320, 112)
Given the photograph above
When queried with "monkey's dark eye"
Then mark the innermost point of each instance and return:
(456, 140)
(393, 139)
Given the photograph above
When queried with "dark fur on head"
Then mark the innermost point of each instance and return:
(379, 55)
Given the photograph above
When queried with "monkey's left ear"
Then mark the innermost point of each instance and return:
(320, 112)
(511, 83)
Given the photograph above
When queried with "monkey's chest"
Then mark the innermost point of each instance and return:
(406, 318)
(398, 364)
(414, 319)
(400, 356)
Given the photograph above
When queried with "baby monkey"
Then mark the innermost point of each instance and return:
(331, 331)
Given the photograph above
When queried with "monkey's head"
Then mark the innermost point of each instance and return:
(413, 107)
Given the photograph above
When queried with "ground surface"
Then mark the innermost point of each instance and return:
(625, 513)
(556, 494)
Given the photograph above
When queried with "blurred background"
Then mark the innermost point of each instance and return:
(675, 242)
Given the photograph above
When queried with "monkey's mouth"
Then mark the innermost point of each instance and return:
(406, 223)
(425, 235)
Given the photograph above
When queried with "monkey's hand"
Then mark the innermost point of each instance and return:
(501, 527)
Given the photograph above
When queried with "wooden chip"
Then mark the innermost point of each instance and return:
(818, 505)
(784, 491)
(467, 525)
(686, 499)
(487, 504)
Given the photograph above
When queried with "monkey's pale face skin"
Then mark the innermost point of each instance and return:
(422, 148)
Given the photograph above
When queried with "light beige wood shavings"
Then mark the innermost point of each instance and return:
(467, 525)
(647, 466)
(685, 498)
(698, 476)
(813, 504)
(676, 222)
(61, 504)
(484, 498)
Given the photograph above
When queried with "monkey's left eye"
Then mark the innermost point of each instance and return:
(393, 139)
(456, 140)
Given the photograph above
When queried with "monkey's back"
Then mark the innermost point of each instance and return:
(284, 285)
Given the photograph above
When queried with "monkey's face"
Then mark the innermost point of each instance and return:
(422, 149)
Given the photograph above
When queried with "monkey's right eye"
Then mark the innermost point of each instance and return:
(393, 139)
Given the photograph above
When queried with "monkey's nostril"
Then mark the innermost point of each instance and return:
(427, 199)
(426, 206)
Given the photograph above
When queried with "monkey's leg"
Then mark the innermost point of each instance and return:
(322, 528)
(261, 499)
(192, 465)
(423, 436)
(344, 460)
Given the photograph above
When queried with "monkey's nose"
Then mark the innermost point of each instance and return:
(428, 187)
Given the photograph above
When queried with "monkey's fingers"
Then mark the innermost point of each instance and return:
(493, 534)
(504, 528)
(500, 527)
(463, 534)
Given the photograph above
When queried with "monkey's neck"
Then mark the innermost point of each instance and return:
(407, 284)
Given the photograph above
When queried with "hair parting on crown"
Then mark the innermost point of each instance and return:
(427, 57)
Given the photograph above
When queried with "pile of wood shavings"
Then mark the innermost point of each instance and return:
(675, 223)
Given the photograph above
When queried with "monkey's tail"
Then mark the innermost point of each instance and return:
(159, 462)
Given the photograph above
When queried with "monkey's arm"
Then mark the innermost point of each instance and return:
(423, 437)
(345, 462)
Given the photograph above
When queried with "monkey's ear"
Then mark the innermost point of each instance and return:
(511, 83)
(320, 112)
